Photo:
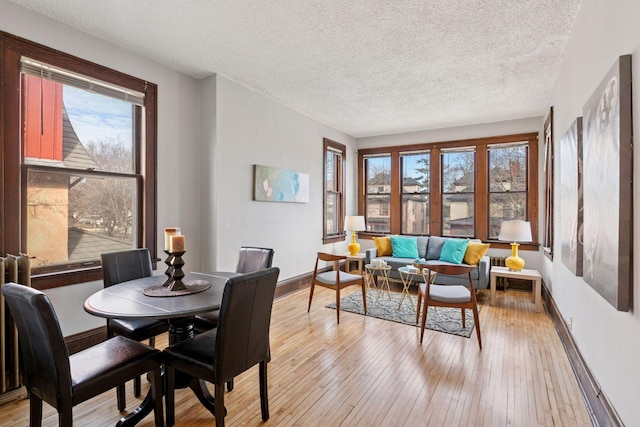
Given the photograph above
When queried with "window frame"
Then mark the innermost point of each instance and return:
(547, 231)
(404, 194)
(12, 240)
(327, 147)
(481, 194)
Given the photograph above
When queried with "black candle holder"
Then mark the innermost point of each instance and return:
(169, 271)
(177, 275)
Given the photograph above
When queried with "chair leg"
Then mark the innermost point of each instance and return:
(476, 320)
(425, 308)
(338, 304)
(170, 396)
(364, 297)
(137, 386)
(230, 385)
(121, 397)
(310, 297)
(156, 396)
(264, 395)
(35, 411)
(65, 416)
(219, 404)
(464, 318)
(418, 304)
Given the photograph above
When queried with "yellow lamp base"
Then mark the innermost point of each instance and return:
(353, 247)
(514, 262)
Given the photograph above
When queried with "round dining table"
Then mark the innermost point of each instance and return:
(127, 300)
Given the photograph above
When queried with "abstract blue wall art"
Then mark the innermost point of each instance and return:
(279, 185)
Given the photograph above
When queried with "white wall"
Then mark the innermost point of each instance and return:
(533, 259)
(251, 129)
(608, 339)
(178, 167)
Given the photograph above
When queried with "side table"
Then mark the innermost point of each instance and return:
(407, 277)
(382, 273)
(525, 274)
(358, 259)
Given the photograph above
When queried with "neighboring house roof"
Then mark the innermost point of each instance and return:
(87, 245)
(461, 221)
(74, 154)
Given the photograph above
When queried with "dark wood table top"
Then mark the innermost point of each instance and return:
(127, 300)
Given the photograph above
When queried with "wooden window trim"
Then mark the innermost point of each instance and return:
(481, 190)
(326, 145)
(547, 231)
(12, 48)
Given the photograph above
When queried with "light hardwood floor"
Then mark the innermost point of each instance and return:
(371, 372)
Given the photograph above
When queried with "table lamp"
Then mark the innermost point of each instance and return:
(515, 231)
(353, 224)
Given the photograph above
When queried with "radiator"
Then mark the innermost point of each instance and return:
(15, 269)
(499, 261)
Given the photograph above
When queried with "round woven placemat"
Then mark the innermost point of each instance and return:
(193, 287)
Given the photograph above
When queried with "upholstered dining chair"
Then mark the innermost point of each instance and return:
(456, 296)
(240, 341)
(250, 259)
(118, 267)
(336, 280)
(63, 381)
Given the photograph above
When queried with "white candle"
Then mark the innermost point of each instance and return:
(168, 232)
(176, 244)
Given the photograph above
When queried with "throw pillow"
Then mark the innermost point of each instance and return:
(435, 247)
(383, 245)
(404, 247)
(475, 252)
(453, 250)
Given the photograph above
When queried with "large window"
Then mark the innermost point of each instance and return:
(458, 188)
(378, 193)
(334, 160)
(508, 186)
(416, 184)
(458, 191)
(79, 162)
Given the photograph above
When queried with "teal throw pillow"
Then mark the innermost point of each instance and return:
(404, 247)
(453, 250)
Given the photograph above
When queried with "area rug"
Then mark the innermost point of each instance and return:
(385, 306)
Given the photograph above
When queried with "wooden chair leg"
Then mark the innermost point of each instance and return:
(310, 297)
(156, 396)
(170, 396)
(121, 397)
(364, 296)
(219, 404)
(264, 395)
(65, 416)
(425, 307)
(230, 385)
(338, 304)
(137, 387)
(476, 320)
(35, 411)
(463, 318)
(418, 304)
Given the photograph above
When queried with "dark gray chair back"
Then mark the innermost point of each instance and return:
(118, 267)
(44, 353)
(245, 317)
(252, 259)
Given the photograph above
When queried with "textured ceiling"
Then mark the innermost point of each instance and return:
(365, 67)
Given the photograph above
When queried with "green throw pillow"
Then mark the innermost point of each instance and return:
(404, 247)
(453, 250)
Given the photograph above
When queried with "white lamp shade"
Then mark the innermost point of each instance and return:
(515, 231)
(354, 223)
